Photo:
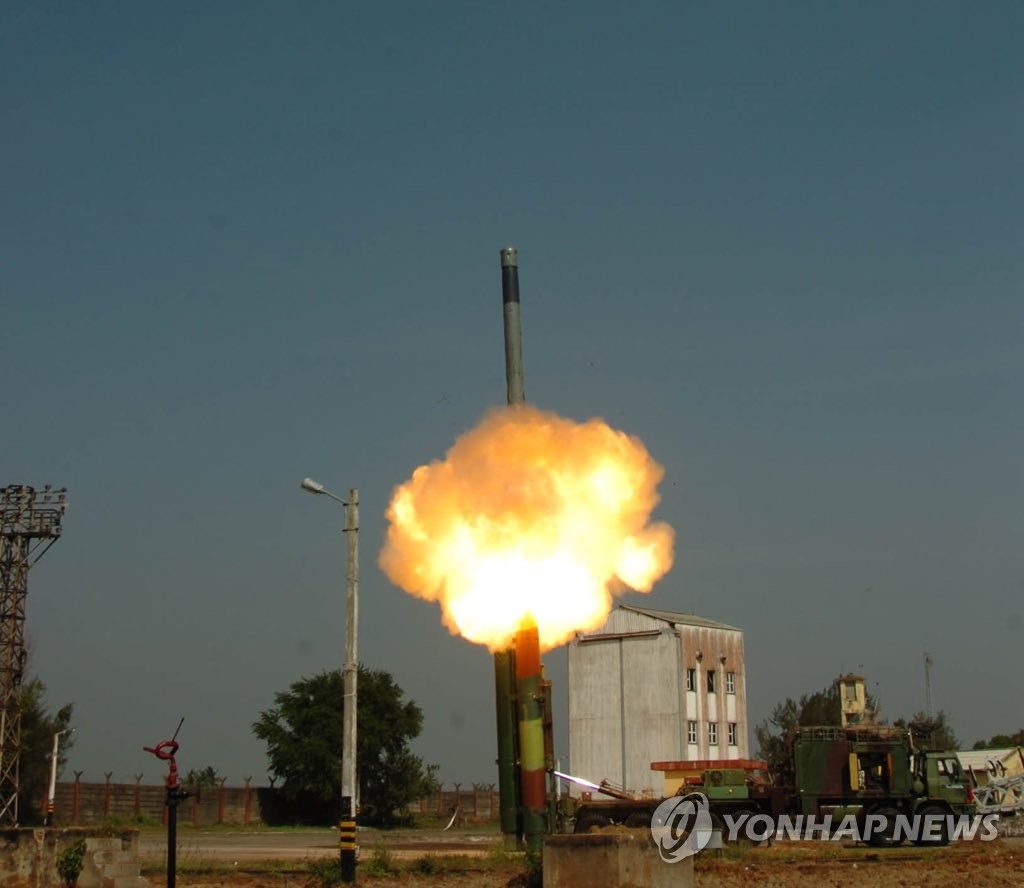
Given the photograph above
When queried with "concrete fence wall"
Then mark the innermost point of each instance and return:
(80, 802)
(473, 804)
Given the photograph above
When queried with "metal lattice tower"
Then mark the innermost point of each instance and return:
(29, 525)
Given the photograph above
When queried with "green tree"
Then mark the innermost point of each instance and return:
(1001, 741)
(930, 731)
(37, 729)
(819, 708)
(208, 776)
(303, 733)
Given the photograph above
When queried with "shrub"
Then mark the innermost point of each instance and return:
(382, 863)
(426, 865)
(70, 862)
(327, 873)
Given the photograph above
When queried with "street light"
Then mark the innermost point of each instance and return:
(349, 783)
(53, 774)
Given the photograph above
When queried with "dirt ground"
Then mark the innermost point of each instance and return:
(460, 880)
(997, 864)
(803, 865)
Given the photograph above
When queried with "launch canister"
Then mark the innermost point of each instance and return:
(505, 661)
(513, 333)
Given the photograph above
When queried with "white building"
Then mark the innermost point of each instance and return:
(654, 686)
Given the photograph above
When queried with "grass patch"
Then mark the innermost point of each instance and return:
(325, 873)
(793, 853)
(502, 857)
(196, 866)
(206, 867)
(435, 864)
(381, 863)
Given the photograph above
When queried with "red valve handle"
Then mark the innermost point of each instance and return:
(165, 750)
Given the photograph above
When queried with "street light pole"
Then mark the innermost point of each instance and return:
(53, 775)
(350, 674)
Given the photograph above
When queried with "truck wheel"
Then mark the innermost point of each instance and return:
(587, 822)
(718, 825)
(742, 840)
(639, 820)
(884, 837)
(939, 838)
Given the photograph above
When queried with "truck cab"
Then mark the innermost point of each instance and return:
(939, 777)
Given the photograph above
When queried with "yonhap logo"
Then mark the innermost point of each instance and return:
(681, 826)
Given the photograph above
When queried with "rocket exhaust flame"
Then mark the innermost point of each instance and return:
(529, 515)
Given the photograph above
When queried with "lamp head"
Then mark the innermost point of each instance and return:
(312, 486)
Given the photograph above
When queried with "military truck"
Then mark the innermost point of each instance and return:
(860, 770)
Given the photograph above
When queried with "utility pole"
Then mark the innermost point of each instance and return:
(928, 684)
(30, 522)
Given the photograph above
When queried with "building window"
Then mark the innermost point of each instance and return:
(713, 733)
(691, 732)
(711, 681)
(732, 733)
(730, 682)
(691, 679)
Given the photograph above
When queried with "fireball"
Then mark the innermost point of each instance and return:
(530, 515)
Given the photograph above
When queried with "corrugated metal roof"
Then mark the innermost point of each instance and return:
(673, 617)
(628, 620)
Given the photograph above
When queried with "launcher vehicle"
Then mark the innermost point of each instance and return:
(857, 770)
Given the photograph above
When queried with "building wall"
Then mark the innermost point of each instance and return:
(595, 711)
(629, 706)
(704, 649)
(651, 723)
(623, 707)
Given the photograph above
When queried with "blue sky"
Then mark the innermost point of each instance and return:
(242, 243)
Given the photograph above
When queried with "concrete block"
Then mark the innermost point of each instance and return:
(103, 843)
(126, 867)
(611, 859)
(109, 856)
(28, 857)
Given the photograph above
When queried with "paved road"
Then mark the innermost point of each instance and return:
(308, 844)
